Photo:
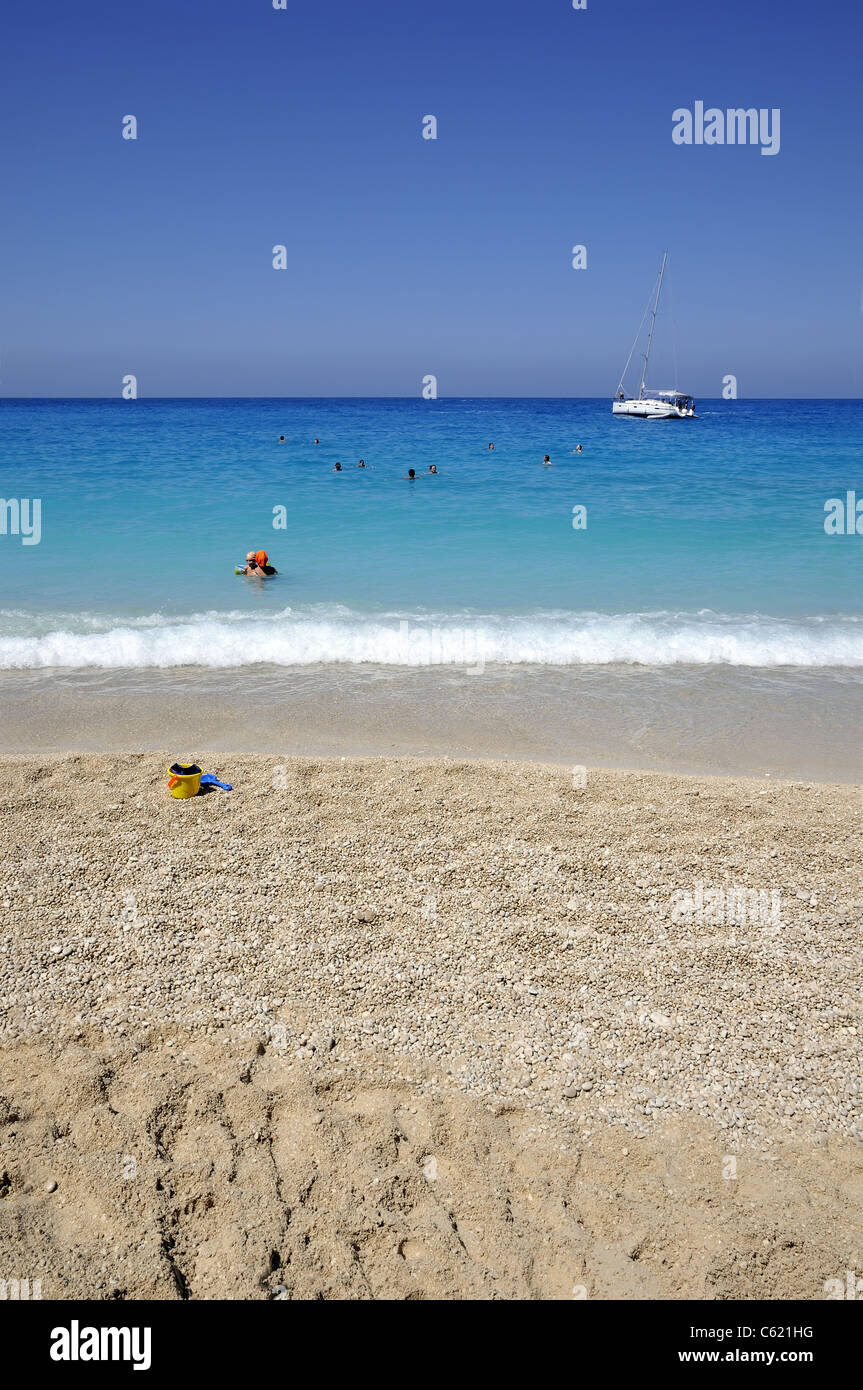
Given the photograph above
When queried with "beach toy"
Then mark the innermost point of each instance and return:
(184, 780)
(187, 779)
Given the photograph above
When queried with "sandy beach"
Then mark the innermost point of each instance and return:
(427, 1028)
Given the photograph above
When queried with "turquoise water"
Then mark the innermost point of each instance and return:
(705, 539)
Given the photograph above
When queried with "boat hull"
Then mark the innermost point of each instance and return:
(651, 410)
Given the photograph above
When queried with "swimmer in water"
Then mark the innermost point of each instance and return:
(432, 468)
(317, 441)
(411, 474)
(491, 446)
(578, 448)
(361, 464)
(338, 468)
(546, 461)
(258, 566)
(281, 439)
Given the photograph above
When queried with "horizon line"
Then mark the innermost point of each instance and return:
(419, 399)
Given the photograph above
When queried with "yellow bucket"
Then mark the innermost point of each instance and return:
(184, 780)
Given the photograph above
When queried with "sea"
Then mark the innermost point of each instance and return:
(687, 543)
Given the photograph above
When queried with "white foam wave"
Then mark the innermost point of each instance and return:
(338, 635)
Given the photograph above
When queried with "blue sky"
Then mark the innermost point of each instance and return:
(409, 256)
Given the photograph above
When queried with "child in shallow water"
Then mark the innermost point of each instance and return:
(258, 565)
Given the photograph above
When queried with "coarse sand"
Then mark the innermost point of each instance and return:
(427, 1028)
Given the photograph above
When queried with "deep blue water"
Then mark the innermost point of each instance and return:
(705, 538)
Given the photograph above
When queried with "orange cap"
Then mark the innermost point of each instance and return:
(261, 558)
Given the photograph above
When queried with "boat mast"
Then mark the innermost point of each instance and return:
(652, 325)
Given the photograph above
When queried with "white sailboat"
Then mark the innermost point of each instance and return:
(651, 405)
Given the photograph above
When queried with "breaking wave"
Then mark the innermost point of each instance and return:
(339, 635)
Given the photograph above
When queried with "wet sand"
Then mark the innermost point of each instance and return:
(782, 723)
